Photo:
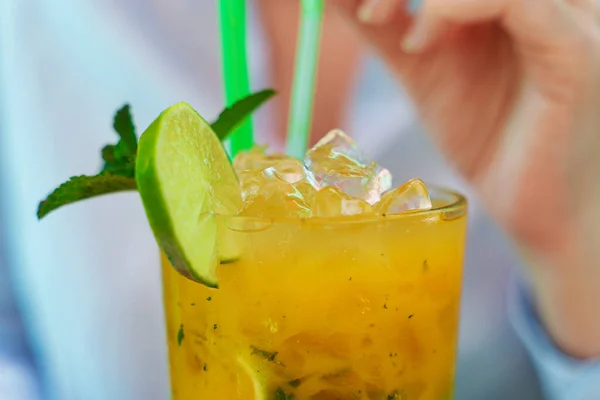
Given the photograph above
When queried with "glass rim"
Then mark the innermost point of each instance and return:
(456, 206)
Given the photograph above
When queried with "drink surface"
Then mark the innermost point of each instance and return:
(334, 309)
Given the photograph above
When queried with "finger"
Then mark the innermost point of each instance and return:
(378, 11)
(423, 34)
(534, 22)
(385, 37)
(431, 21)
(588, 7)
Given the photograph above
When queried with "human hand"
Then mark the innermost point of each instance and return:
(509, 91)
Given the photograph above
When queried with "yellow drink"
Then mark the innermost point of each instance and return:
(324, 309)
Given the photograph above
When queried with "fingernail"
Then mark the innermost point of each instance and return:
(366, 11)
(416, 38)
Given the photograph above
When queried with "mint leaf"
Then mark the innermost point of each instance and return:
(108, 154)
(113, 165)
(123, 124)
(119, 159)
(280, 394)
(180, 336)
(233, 116)
(295, 383)
(83, 187)
(267, 355)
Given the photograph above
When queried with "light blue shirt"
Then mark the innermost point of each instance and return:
(86, 279)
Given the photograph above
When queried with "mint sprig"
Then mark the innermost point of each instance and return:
(117, 174)
(118, 170)
(119, 159)
(231, 117)
(123, 125)
(84, 187)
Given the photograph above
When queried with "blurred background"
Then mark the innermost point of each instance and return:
(80, 297)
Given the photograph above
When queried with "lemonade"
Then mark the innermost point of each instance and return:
(329, 295)
(324, 310)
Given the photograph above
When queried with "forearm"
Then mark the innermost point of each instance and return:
(566, 286)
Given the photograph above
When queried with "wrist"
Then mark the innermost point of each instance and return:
(566, 286)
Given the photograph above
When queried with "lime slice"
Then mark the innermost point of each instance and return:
(184, 178)
(258, 381)
(229, 242)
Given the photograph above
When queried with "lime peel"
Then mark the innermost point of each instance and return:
(184, 178)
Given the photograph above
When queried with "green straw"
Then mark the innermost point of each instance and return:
(303, 89)
(235, 66)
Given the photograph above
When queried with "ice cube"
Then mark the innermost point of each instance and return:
(412, 195)
(256, 160)
(307, 190)
(260, 172)
(337, 161)
(291, 170)
(332, 202)
(294, 172)
(266, 194)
